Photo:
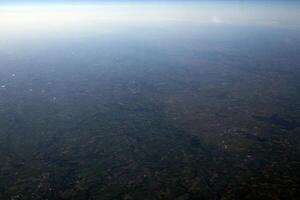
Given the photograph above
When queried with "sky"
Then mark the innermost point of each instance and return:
(84, 1)
(21, 15)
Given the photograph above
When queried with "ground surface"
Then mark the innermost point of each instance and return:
(164, 115)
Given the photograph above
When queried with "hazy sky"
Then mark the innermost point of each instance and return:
(85, 1)
(16, 18)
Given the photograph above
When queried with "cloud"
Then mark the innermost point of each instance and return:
(216, 19)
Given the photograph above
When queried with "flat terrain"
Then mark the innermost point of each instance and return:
(201, 112)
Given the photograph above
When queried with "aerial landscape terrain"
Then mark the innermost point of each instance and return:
(149, 100)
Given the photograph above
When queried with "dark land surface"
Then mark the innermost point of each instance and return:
(210, 113)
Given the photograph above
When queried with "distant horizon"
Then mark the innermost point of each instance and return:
(213, 11)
